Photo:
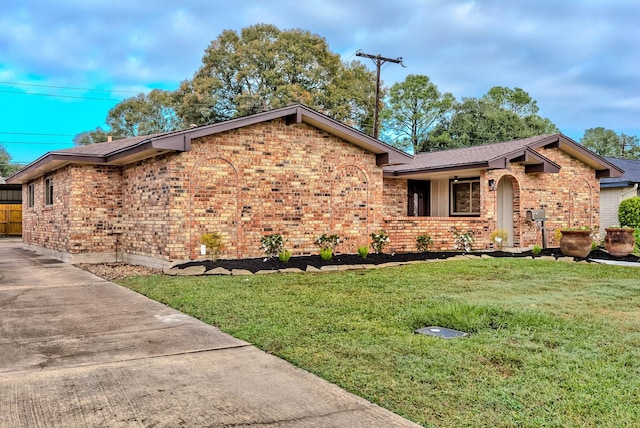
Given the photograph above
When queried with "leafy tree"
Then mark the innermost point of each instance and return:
(515, 100)
(6, 167)
(263, 68)
(606, 142)
(414, 108)
(144, 114)
(85, 138)
(500, 115)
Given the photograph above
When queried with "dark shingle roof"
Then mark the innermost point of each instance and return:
(631, 168)
(121, 152)
(498, 155)
(466, 155)
(103, 149)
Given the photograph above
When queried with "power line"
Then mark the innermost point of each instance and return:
(32, 133)
(34, 142)
(60, 96)
(69, 87)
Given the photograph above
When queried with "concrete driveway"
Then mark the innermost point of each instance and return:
(79, 351)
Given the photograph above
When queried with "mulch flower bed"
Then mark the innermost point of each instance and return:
(301, 262)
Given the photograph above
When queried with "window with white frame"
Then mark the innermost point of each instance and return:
(465, 197)
(48, 191)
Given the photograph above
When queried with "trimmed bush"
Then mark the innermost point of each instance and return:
(629, 212)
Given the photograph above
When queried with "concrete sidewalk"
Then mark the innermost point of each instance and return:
(79, 351)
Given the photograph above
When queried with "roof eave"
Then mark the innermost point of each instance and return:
(51, 162)
(181, 141)
(461, 167)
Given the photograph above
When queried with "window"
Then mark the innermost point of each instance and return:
(48, 191)
(465, 197)
(31, 195)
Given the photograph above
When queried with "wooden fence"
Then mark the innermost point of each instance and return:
(10, 220)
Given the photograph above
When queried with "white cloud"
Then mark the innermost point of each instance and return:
(579, 60)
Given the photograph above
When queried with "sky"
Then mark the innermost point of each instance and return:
(65, 63)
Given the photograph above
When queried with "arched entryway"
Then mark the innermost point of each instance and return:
(507, 208)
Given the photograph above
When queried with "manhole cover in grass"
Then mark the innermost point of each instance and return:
(445, 333)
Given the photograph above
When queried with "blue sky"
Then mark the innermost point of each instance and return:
(64, 64)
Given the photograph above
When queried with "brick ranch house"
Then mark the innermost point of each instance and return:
(148, 200)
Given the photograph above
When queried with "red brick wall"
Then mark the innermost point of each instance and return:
(403, 231)
(147, 215)
(86, 210)
(275, 178)
(48, 226)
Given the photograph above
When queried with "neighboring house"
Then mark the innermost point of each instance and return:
(296, 172)
(10, 209)
(615, 190)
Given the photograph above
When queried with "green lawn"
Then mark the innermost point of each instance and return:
(552, 343)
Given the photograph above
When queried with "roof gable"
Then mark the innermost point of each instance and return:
(121, 152)
(499, 155)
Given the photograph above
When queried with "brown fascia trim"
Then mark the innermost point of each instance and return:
(180, 141)
(66, 159)
(533, 161)
(176, 143)
(298, 114)
(558, 140)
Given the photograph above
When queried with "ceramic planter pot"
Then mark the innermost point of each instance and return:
(619, 241)
(576, 243)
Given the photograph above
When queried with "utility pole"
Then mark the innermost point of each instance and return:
(378, 60)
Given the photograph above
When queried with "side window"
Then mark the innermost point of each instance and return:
(31, 195)
(48, 191)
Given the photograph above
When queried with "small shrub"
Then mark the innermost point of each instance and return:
(363, 251)
(272, 245)
(326, 254)
(327, 242)
(423, 242)
(536, 249)
(462, 241)
(500, 238)
(284, 256)
(214, 243)
(379, 240)
(629, 212)
(557, 234)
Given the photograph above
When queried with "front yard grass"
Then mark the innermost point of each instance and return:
(551, 344)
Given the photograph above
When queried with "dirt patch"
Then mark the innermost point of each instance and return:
(112, 271)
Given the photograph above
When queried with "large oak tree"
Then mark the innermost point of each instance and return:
(264, 68)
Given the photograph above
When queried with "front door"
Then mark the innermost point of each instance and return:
(419, 194)
(505, 208)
